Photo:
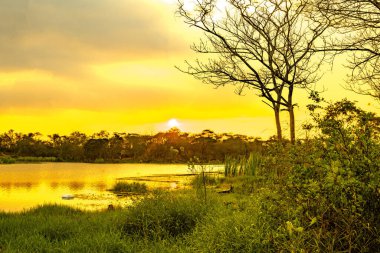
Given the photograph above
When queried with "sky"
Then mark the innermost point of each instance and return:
(92, 65)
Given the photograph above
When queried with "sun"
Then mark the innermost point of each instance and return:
(173, 123)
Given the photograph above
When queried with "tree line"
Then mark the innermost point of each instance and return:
(172, 146)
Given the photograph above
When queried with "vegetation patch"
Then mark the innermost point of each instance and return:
(134, 187)
(165, 216)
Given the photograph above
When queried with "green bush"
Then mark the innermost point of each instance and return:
(164, 216)
(242, 224)
(336, 191)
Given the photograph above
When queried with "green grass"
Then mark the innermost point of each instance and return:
(7, 160)
(257, 217)
(26, 159)
(165, 222)
(133, 187)
(243, 166)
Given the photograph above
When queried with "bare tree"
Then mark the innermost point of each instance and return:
(266, 46)
(358, 25)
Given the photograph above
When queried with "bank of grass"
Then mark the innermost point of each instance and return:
(26, 159)
(255, 217)
(176, 221)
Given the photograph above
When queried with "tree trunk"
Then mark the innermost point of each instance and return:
(278, 123)
(292, 125)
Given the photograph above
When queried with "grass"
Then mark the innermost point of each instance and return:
(255, 220)
(259, 216)
(133, 187)
(26, 159)
(178, 221)
(243, 166)
(164, 222)
(7, 160)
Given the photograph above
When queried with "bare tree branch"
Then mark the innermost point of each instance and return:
(358, 26)
(268, 46)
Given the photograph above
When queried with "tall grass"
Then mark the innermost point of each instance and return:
(243, 166)
(165, 216)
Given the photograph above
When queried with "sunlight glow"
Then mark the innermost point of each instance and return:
(173, 123)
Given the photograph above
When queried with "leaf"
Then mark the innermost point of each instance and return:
(313, 221)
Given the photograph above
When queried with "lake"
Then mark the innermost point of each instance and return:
(23, 186)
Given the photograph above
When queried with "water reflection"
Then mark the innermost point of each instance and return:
(54, 185)
(28, 185)
(76, 185)
(5, 186)
(8, 186)
(100, 186)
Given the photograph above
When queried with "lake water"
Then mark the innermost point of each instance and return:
(23, 186)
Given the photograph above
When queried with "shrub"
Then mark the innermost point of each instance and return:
(336, 193)
(246, 224)
(164, 216)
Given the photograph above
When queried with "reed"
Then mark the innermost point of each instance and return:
(243, 166)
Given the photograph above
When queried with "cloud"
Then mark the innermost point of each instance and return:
(63, 36)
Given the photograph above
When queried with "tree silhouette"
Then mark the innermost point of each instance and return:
(267, 46)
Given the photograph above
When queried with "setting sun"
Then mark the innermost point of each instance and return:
(173, 123)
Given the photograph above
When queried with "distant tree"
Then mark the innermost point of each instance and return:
(116, 146)
(265, 45)
(8, 141)
(358, 25)
(96, 149)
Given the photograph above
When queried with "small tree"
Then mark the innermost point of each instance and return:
(267, 46)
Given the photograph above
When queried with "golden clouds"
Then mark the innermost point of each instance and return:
(62, 36)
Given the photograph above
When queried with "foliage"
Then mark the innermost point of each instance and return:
(330, 185)
(337, 193)
(172, 146)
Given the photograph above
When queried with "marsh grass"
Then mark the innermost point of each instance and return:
(134, 187)
(243, 166)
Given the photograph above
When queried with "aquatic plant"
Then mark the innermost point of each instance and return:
(133, 187)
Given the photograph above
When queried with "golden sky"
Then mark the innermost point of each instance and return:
(92, 65)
